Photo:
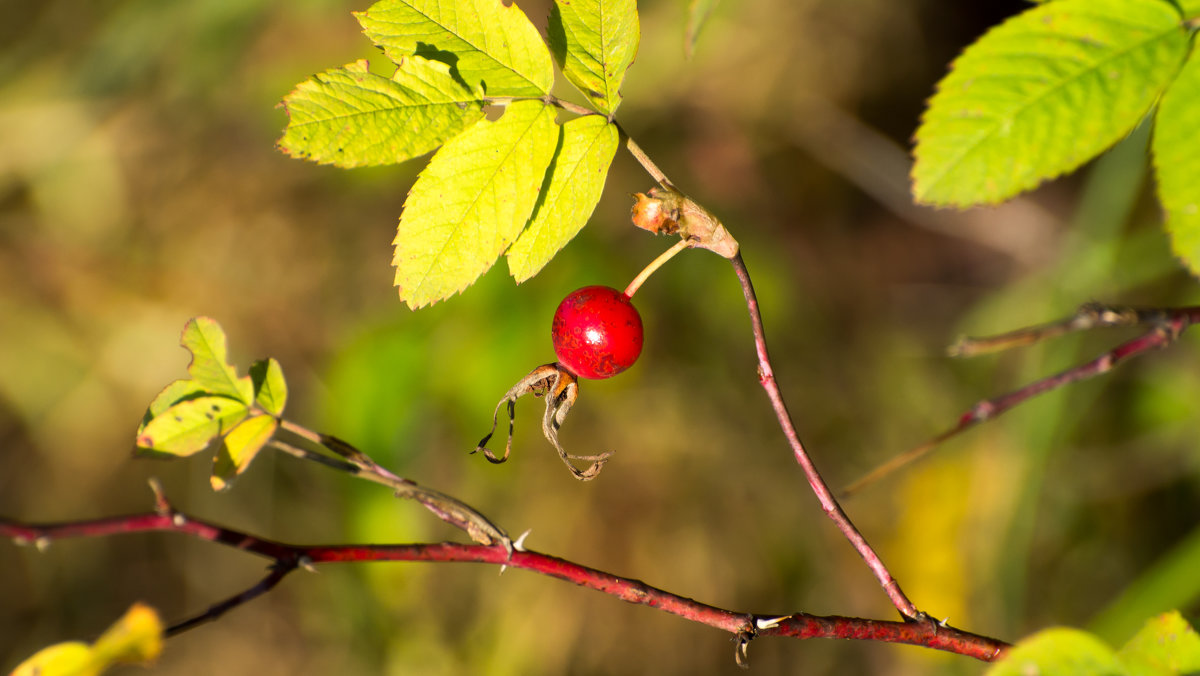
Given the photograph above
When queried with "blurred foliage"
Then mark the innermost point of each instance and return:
(139, 186)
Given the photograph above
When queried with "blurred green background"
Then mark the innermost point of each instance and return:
(139, 186)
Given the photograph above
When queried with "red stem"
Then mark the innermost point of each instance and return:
(829, 503)
(1167, 325)
(288, 557)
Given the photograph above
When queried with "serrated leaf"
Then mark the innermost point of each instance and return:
(204, 338)
(1041, 94)
(1167, 644)
(1059, 651)
(1176, 151)
(136, 638)
(189, 426)
(574, 184)
(351, 118)
(594, 42)
(483, 40)
(471, 202)
(270, 388)
(239, 448)
(698, 13)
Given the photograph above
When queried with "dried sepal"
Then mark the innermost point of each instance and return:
(560, 389)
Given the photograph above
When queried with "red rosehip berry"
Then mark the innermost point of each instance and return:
(597, 332)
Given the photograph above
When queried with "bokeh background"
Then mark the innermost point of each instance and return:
(139, 186)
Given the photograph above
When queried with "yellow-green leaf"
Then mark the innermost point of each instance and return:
(190, 425)
(239, 448)
(594, 42)
(1043, 93)
(270, 389)
(471, 202)
(1176, 152)
(1166, 645)
(351, 117)
(1059, 651)
(489, 43)
(136, 638)
(576, 180)
(205, 339)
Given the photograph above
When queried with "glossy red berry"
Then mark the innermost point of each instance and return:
(597, 332)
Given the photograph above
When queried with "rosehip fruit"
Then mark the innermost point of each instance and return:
(597, 332)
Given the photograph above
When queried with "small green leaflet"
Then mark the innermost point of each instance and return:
(1167, 644)
(594, 42)
(1176, 154)
(270, 389)
(1059, 651)
(190, 425)
(1164, 645)
(471, 202)
(239, 448)
(574, 185)
(204, 338)
(1041, 94)
(485, 42)
(352, 118)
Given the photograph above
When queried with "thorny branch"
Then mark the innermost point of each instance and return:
(1165, 326)
(286, 558)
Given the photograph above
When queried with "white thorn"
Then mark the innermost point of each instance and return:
(519, 543)
(178, 520)
(767, 624)
(307, 564)
(42, 544)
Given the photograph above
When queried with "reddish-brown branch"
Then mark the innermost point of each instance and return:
(287, 558)
(829, 503)
(1166, 326)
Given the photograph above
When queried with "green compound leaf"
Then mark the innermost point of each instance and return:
(471, 202)
(483, 40)
(1176, 151)
(1167, 644)
(1059, 651)
(190, 425)
(352, 118)
(239, 449)
(204, 338)
(270, 389)
(594, 42)
(574, 185)
(1041, 94)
